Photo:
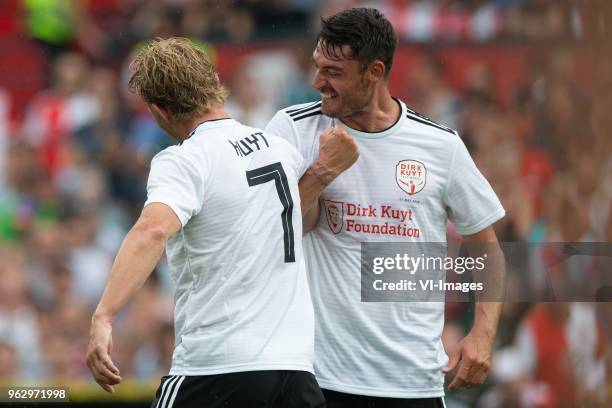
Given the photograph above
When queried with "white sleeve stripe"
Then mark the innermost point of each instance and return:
(170, 391)
(175, 393)
(163, 391)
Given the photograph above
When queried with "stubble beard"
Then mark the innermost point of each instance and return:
(354, 106)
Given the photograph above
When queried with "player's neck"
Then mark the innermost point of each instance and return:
(380, 114)
(183, 129)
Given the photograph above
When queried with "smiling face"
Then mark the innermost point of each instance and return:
(343, 83)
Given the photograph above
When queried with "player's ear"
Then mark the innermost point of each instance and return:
(376, 70)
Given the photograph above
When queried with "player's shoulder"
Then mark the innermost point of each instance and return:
(303, 111)
(178, 153)
(168, 152)
(242, 129)
(428, 125)
(195, 145)
(269, 137)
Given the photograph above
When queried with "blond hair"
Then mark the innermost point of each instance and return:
(178, 76)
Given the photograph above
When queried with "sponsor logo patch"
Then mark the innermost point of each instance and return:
(411, 176)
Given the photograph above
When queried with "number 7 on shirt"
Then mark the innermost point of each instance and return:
(276, 172)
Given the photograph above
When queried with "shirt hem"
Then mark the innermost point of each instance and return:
(496, 216)
(381, 392)
(171, 205)
(241, 367)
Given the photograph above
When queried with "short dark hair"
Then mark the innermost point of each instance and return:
(365, 30)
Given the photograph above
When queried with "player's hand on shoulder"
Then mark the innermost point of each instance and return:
(337, 152)
(99, 348)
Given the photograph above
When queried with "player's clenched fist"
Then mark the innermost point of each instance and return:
(337, 152)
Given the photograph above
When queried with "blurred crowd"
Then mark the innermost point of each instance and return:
(100, 26)
(74, 164)
(547, 151)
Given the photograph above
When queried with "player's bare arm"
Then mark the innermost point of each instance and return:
(337, 152)
(473, 356)
(142, 248)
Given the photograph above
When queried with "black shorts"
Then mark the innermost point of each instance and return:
(341, 400)
(278, 389)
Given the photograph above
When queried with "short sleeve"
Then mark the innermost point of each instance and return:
(472, 203)
(281, 126)
(300, 163)
(176, 180)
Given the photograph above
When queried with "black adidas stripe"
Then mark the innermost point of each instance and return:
(428, 123)
(430, 120)
(302, 108)
(306, 109)
(297, 109)
(318, 112)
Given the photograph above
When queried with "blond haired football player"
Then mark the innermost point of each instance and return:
(224, 204)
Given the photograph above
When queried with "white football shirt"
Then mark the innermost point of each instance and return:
(242, 297)
(384, 349)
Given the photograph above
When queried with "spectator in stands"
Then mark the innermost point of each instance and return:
(431, 94)
(560, 108)
(18, 324)
(62, 357)
(298, 89)
(247, 102)
(59, 25)
(9, 362)
(57, 113)
(25, 200)
(5, 125)
(557, 358)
